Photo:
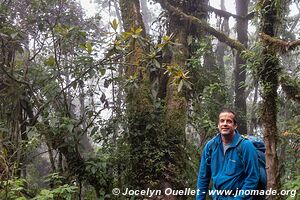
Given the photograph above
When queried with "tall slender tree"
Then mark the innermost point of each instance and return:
(240, 70)
(221, 47)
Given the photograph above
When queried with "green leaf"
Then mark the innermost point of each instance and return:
(161, 45)
(50, 61)
(114, 24)
(74, 85)
(102, 71)
(70, 127)
(94, 130)
(187, 84)
(13, 35)
(3, 35)
(156, 63)
(139, 30)
(89, 47)
(93, 169)
(180, 85)
(92, 73)
(149, 126)
(190, 40)
(166, 38)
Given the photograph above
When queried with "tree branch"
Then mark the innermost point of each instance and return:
(225, 14)
(204, 25)
(282, 45)
(291, 87)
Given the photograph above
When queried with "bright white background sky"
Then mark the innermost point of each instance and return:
(89, 7)
(230, 6)
(92, 8)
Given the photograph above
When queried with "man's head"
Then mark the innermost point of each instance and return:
(227, 122)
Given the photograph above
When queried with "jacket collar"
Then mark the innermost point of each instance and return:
(235, 141)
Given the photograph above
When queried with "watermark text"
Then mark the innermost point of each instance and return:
(192, 192)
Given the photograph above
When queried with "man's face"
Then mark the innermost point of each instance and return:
(226, 123)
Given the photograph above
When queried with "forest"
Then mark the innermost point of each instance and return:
(124, 95)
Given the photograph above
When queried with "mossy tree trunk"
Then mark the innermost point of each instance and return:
(269, 71)
(152, 131)
(143, 128)
(176, 101)
(176, 107)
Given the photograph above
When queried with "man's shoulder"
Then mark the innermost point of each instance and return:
(213, 140)
(212, 143)
(246, 144)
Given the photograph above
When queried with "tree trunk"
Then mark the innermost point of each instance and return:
(84, 141)
(176, 102)
(240, 71)
(221, 47)
(146, 15)
(253, 117)
(175, 119)
(131, 15)
(269, 79)
(143, 136)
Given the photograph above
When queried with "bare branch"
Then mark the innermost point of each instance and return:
(225, 14)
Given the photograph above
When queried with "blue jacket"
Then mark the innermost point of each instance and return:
(228, 172)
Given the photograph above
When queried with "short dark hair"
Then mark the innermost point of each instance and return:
(228, 110)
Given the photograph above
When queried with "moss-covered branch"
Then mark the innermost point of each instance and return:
(291, 87)
(222, 37)
(281, 45)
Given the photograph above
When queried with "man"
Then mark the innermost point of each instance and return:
(221, 162)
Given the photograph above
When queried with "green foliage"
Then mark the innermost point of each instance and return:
(64, 192)
(209, 94)
(98, 167)
(17, 189)
(114, 24)
(13, 189)
(179, 76)
(253, 60)
(54, 179)
(292, 185)
(288, 146)
(209, 108)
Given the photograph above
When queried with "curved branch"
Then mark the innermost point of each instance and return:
(282, 45)
(204, 25)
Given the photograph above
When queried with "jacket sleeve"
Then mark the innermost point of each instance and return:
(250, 161)
(204, 174)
